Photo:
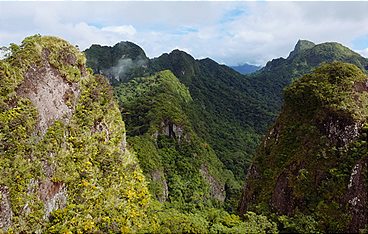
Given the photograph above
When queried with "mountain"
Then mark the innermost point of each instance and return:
(66, 166)
(181, 167)
(192, 126)
(306, 56)
(121, 62)
(230, 111)
(312, 165)
(64, 162)
(246, 68)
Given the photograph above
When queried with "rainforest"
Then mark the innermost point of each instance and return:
(106, 139)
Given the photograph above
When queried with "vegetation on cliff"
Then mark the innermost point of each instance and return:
(65, 164)
(312, 165)
(182, 168)
(62, 152)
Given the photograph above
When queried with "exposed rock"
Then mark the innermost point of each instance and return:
(361, 86)
(173, 130)
(217, 188)
(53, 195)
(6, 213)
(123, 144)
(283, 199)
(357, 196)
(50, 93)
(157, 176)
(339, 130)
(248, 195)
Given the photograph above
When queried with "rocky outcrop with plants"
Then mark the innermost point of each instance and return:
(311, 168)
(64, 162)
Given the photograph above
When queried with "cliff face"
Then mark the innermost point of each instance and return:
(180, 166)
(62, 146)
(313, 161)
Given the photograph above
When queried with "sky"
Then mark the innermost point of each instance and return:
(231, 33)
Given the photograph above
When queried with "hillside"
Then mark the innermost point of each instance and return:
(312, 165)
(66, 167)
(121, 62)
(63, 155)
(306, 56)
(223, 111)
(231, 111)
(192, 126)
(182, 168)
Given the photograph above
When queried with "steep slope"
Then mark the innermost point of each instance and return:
(64, 162)
(312, 165)
(182, 168)
(121, 62)
(278, 73)
(224, 111)
(184, 174)
(231, 111)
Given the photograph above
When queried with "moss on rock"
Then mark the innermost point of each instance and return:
(75, 175)
(305, 163)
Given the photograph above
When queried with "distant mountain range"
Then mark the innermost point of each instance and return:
(246, 68)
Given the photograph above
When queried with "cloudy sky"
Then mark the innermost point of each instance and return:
(228, 32)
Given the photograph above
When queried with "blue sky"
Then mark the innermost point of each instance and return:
(228, 32)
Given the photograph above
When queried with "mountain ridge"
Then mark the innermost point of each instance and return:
(256, 98)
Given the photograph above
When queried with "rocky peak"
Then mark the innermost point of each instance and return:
(314, 157)
(62, 145)
(301, 45)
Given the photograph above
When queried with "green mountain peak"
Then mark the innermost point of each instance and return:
(118, 63)
(301, 45)
(307, 163)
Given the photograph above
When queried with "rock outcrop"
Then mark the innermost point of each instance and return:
(314, 160)
(63, 156)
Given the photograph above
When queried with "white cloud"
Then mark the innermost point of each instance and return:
(122, 30)
(256, 33)
(363, 52)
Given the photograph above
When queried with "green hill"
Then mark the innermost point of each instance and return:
(312, 165)
(306, 56)
(230, 111)
(182, 168)
(193, 127)
(121, 62)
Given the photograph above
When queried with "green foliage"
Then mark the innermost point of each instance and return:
(320, 89)
(81, 159)
(146, 102)
(299, 224)
(121, 62)
(171, 154)
(182, 165)
(312, 149)
(225, 112)
(170, 220)
(231, 112)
